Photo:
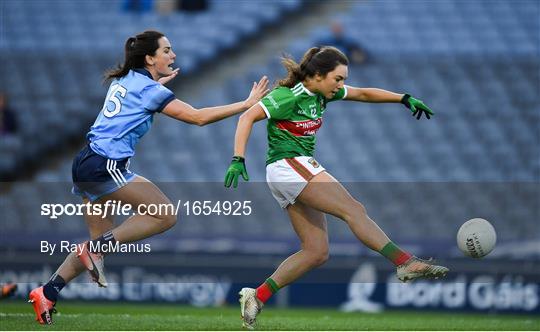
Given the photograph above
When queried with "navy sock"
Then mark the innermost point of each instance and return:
(106, 240)
(53, 287)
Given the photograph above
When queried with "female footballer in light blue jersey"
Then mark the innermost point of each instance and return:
(100, 171)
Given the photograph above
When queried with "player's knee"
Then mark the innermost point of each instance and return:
(353, 211)
(165, 218)
(360, 209)
(321, 258)
(168, 220)
(318, 257)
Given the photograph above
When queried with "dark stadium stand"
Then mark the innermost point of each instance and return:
(63, 47)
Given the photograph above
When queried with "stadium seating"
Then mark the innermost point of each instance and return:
(475, 63)
(63, 48)
(444, 28)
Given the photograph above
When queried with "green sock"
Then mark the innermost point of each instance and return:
(273, 286)
(395, 254)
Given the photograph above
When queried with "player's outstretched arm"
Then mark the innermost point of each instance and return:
(373, 95)
(243, 130)
(184, 112)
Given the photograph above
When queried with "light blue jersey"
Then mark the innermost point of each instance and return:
(127, 114)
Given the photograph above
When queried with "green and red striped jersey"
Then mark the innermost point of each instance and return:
(294, 116)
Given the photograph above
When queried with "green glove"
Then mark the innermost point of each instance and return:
(416, 106)
(236, 168)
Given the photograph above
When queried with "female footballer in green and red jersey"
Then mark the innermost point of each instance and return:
(300, 184)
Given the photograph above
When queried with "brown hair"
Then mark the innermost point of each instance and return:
(317, 60)
(136, 50)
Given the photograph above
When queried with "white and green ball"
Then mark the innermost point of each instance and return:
(476, 238)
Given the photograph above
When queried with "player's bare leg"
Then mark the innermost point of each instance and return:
(140, 226)
(139, 194)
(137, 227)
(93, 262)
(142, 192)
(97, 225)
(326, 194)
(310, 226)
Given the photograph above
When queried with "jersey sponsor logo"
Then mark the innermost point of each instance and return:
(300, 128)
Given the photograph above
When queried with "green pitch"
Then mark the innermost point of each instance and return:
(17, 315)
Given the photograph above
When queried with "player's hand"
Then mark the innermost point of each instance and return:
(258, 91)
(236, 168)
(417, 107)
(166, 79)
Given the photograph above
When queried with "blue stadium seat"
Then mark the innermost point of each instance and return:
(89, 37)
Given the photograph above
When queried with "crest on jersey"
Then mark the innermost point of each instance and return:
(313, 162)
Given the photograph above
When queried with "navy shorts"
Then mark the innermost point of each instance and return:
(95, 176)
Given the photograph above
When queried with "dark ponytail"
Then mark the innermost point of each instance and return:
(135, 51)
(317, 60)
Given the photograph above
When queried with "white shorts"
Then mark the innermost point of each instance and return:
(288, 177)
